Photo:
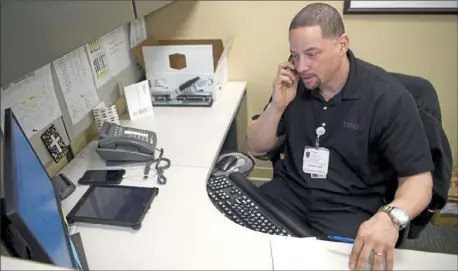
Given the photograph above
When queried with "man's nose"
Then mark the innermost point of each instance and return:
(302, 65)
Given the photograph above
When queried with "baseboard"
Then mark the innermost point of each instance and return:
(258, 179)
(261, 173)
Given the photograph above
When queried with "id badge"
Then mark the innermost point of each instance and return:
(316, 162)
(317, 176)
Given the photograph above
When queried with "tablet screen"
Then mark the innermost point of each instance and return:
(115, 204)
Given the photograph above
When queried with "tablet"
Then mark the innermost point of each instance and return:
(116, 205)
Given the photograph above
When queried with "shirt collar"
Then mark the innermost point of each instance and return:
(351, 87)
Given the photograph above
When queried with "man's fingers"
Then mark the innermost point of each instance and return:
(363, 259)
(356, 250)
(286, 65)
(285, 79)
(379, 258)
(389, 259)
(288, 73)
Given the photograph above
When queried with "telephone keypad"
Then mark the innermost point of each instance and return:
(118, 131)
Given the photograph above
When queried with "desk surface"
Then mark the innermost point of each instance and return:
(10, 263)
(193, 136)
(182, 230)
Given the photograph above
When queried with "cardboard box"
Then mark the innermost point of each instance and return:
(170, 63)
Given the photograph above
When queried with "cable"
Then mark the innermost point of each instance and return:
(161, 165)
(161, 179)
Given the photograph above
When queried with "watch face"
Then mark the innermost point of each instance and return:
(400, 216)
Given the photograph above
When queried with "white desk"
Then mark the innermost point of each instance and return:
(182, 230)
(10, 263)
(193, 136)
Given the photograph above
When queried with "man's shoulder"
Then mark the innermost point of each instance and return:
(380, 81)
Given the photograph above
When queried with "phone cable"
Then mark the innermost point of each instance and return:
(161, 165)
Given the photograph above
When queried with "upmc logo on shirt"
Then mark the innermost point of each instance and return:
(353, 126)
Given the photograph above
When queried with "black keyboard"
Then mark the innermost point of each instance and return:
(233, 201)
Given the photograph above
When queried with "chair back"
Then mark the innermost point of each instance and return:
(423, 92)
(428, 105)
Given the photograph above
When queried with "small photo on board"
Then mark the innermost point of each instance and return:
(54, 143)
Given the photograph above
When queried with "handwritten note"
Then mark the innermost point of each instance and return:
(137, 32)
(75, 79)
(116, 44)
(32, 99)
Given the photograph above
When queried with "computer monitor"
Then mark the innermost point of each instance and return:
(33, 227)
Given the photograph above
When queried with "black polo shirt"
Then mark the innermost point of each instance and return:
(373, 132)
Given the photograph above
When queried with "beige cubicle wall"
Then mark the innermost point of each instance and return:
(422, 45)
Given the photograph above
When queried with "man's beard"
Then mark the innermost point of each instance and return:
(312, 82)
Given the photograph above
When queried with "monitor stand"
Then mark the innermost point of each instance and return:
(78, 243)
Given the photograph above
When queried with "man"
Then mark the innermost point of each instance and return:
(347, 127)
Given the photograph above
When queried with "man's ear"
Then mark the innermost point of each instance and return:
(344, 44)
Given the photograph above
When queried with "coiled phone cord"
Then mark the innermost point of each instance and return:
(161, 179)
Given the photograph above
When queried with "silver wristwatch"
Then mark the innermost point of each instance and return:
(398, 216)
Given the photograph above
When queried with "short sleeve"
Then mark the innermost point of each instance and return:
(403, 140)
(281, 129)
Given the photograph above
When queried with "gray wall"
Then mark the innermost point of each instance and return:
(34, 33)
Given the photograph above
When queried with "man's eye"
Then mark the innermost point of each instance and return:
(312, 54)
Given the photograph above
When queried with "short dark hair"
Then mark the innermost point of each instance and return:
(324, 15)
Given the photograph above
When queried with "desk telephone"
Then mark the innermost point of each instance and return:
(122, 144)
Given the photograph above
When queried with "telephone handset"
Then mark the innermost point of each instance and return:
(290, 59)
(123, 144)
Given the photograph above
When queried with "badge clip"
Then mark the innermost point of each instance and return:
(319, 132)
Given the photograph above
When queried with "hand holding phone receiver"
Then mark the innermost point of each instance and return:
(285, 85)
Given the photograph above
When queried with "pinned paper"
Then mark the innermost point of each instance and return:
(74, 75)
(137, 32)
(32, 99)
(138, 99)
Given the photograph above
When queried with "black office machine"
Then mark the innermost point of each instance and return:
(187, 95)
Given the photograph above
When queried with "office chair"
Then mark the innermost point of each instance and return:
(428, 104)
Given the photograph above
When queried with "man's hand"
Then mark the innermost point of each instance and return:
(377, 236)
(285, 85)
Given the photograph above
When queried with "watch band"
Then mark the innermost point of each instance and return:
(386, 208)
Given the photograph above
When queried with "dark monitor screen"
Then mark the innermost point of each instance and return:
(33, 204)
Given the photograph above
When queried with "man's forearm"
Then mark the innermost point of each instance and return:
(414, 194)
(262, 133)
